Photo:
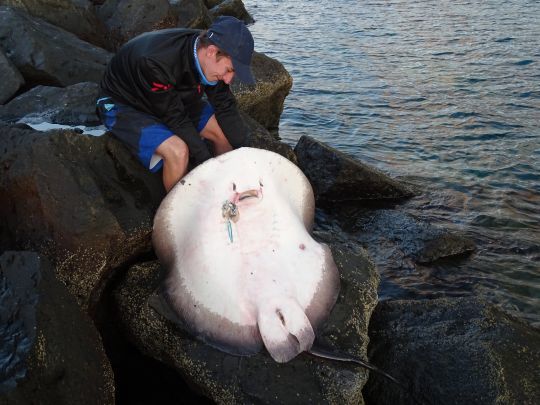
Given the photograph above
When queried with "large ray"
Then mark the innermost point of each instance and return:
(242, 268)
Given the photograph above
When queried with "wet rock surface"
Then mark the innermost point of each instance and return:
(57, 356)
(449, 351)
(19, 284)
(393, 233)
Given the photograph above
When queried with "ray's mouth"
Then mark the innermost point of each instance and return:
(252, 194)
(248, 194)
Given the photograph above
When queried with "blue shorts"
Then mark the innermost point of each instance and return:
(142, 133)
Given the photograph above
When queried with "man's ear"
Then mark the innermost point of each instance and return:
(211, 50)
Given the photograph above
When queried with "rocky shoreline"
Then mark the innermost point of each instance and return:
(78, 273)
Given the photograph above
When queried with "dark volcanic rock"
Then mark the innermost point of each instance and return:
(258, 379)
(51, 352)
(73, 105)
(336, 176)
(126, 19)
(211, 3)
(46, 54)
(19, 281)
(191, 13)
(233, 8)
(75, 16)
(443, 245)
(83, 201)
(453, 351)
(11, 78)
(264, 101)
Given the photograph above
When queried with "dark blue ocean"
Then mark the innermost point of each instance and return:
(445, 94)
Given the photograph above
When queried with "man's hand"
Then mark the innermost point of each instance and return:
(222, 146)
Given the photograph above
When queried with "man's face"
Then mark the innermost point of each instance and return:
(217, 68)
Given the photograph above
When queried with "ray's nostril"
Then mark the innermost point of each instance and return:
(281, 317)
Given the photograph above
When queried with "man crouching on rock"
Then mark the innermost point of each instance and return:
(153, 95)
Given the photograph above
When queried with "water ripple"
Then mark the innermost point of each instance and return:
(443, 93)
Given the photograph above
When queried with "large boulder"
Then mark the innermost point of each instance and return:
(12, 79)
(233, 8)
(83, 201)
(72, 105)
(76, 16)
(264, 101)
(51, 352)
(453, 351)
(126, 19)
(231, 379)
(191, 13)
(46, 54)
(211, 3)
(337, 177)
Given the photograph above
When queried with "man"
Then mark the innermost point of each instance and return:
(153, 95)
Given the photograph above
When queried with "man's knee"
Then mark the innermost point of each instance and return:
(212, 131)
(173, 150)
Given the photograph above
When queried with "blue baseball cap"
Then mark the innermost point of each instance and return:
(232, 36)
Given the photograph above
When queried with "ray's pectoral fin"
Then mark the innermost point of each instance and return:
(285, 329)
(158, 303)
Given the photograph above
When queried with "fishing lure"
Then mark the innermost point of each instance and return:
(229, 211)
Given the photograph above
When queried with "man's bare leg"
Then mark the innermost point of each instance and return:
(175, 154)
(212, 131)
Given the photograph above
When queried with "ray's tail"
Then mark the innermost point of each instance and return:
(325, 354)
(285, 329)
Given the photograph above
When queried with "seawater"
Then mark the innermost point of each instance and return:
(445, 94)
